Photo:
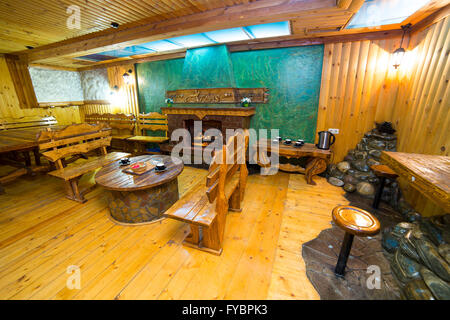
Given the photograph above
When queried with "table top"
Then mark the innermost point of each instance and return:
(308, 149)
(112, 177)
(429, 174)
(20, 139)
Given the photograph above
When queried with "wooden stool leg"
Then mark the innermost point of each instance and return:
(376, 200)
(343, 255)
(26, 155)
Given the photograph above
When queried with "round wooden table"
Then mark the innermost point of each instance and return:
(140, 198)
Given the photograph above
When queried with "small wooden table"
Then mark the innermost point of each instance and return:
(317, 162)
(429, 174)
(140, 198)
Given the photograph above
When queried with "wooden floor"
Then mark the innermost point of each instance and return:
(43, 233)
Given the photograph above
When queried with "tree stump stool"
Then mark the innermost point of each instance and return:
(382, 172)
(355, 222)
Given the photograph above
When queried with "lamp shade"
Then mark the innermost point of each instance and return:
(398, 57)
(126, 78)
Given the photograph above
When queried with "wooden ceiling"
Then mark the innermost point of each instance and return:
(42, 23)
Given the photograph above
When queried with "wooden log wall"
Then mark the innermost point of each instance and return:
(360, 86)
(422, 109)
(12, 107)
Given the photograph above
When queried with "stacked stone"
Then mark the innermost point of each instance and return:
(419, 255)
(354, 173)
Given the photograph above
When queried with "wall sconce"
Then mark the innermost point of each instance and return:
(400, 52)
(127, 76)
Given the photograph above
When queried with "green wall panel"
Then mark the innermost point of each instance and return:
(292, 75)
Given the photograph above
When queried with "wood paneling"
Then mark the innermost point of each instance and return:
(360, 86)
(10, 106)
(20, 75)
(422, 110)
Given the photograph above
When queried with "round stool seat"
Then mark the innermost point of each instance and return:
(381, 170)
(356, 221)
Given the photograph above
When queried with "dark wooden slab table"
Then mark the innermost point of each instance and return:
(429, 174)
(317, 162)
(140, 198)
(20, 141)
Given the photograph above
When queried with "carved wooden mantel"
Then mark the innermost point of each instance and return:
(202, 112)
(218, 95)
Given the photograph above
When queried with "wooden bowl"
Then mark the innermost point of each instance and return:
(138, 167)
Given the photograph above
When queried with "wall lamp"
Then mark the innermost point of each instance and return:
(127, 76)
(400, 52)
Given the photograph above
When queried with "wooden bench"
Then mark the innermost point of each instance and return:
(205, 208)
(122, 126)
(57, 145)
(152, 121)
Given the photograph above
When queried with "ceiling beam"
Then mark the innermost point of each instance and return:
(257, 12)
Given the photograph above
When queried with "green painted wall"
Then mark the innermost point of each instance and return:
(292, 75)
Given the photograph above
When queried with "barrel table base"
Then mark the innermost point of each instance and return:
(143, 205)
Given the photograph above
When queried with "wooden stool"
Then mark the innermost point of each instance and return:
(382, 172)
(355, 222)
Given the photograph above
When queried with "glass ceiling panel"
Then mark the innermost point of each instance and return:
(375, 13)
(161, 45)
(270, 30)
(194, 40)
(228, 35)
(197, 40)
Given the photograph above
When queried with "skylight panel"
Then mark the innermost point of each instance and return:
(228, 35)
(268, 30)
(161, 45)
(375, 13)
(195, 40)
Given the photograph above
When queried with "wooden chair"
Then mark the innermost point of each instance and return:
(152, 121)
(122, 126)
(205, 208)
(57, 145)
(27, 122)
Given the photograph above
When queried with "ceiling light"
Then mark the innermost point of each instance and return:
(115, 25)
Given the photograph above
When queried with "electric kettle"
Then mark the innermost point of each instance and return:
(326, 140)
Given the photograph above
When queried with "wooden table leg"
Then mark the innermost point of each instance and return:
(37, 157)
(314, 167)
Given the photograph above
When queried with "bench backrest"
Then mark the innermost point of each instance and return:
(27, 122)
(226, 166)
(153, 121)
(120, 123)
(72, 140)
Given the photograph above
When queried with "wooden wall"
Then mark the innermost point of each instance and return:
(10, 105)
(422, 109)
(360, 86)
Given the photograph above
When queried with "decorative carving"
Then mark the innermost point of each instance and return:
(218, 95)
(202, 112)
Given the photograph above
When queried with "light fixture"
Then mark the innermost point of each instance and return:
(127, 77)
(115, 25)
(400, 52)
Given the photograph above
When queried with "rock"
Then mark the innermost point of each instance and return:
(391, 145)
(365, 189)
(349, 158)
(439, 288)
(335, 181)
(362, 175)
(343, 166)
(349, 187)
(377, 144)
(391, 237)
(348, 179)
(372, 162)
(407, 248)
(351, 172)
(360, 165)
(417, 290)
(331, 168)
(375, 180)
(335, 172)
(385, 127)
(362, 155)
(431, 257)
(444, 251)
(362, 147)
(404, 207)
(433, 233)
(404, 268)
(376, 154)
(413, 216)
